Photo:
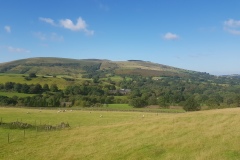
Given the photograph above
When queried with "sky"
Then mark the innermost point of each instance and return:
(198, 35)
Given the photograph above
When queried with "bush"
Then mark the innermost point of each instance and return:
(191, 105)
(32, 75)
(138, 102)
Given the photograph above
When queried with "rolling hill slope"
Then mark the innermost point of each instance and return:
(52, 65)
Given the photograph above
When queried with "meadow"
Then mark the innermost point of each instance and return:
(212, 134)
(12, 94)
(20, 78)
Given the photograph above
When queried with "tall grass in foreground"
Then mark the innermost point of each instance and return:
(204, 135)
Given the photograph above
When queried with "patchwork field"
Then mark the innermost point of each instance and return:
(19, 78)
(211, 135)
(12, 94)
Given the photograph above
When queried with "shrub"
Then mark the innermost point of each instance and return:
(191, 105)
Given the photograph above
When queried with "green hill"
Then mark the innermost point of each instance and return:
(47, 66)
(50, 65)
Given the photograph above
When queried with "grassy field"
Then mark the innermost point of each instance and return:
(199, 135)
(19, 78)
(11, 94)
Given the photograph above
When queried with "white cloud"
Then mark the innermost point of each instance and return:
(232, 23)
(17, 50)
(55, 37)
(7, 29)
(79, 26)
(232, 26)
(48, 37)
(233, 31)
(47, 20)
(67, 23)
(170, 36)
(40, 35)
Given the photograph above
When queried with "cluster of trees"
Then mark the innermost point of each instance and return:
(46, 100)
(5, 101)
(85, 95)
(192, 93)
(89, 94)
(28, 89)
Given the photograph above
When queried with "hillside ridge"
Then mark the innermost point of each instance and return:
(57, 65)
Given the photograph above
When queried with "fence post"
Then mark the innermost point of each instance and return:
(8, 137)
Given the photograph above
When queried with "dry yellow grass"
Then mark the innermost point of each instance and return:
(144, 65)
(200, 135)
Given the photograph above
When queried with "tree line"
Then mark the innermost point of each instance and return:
(28, 89)
(193, 93)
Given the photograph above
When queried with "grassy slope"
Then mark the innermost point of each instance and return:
(18, 78)
(31, 65)
(145, 65)
(122, 135)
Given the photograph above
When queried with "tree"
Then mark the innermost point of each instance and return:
(32, 75)
(238, 100)
(109, 99)
(138, 102)
(96, 79)
(54, 88)
(9, 85)
(213, 103)
(45, 87)
(4, 100)
(17, 87)
(25, 88)
(191, 104)
(1, 86)
(163, 102)
(35, 89)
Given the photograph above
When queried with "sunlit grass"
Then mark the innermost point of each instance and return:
(119, 106)
(11, 94)
(123, 135)
(19, 78)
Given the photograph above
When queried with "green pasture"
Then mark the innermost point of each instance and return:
(118, 106)
(43, 79)
(11, 94)
(19, 78)
(127, 107)
(113, 78)
(110, 135)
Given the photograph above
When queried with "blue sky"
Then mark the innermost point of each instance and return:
(199, 35)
